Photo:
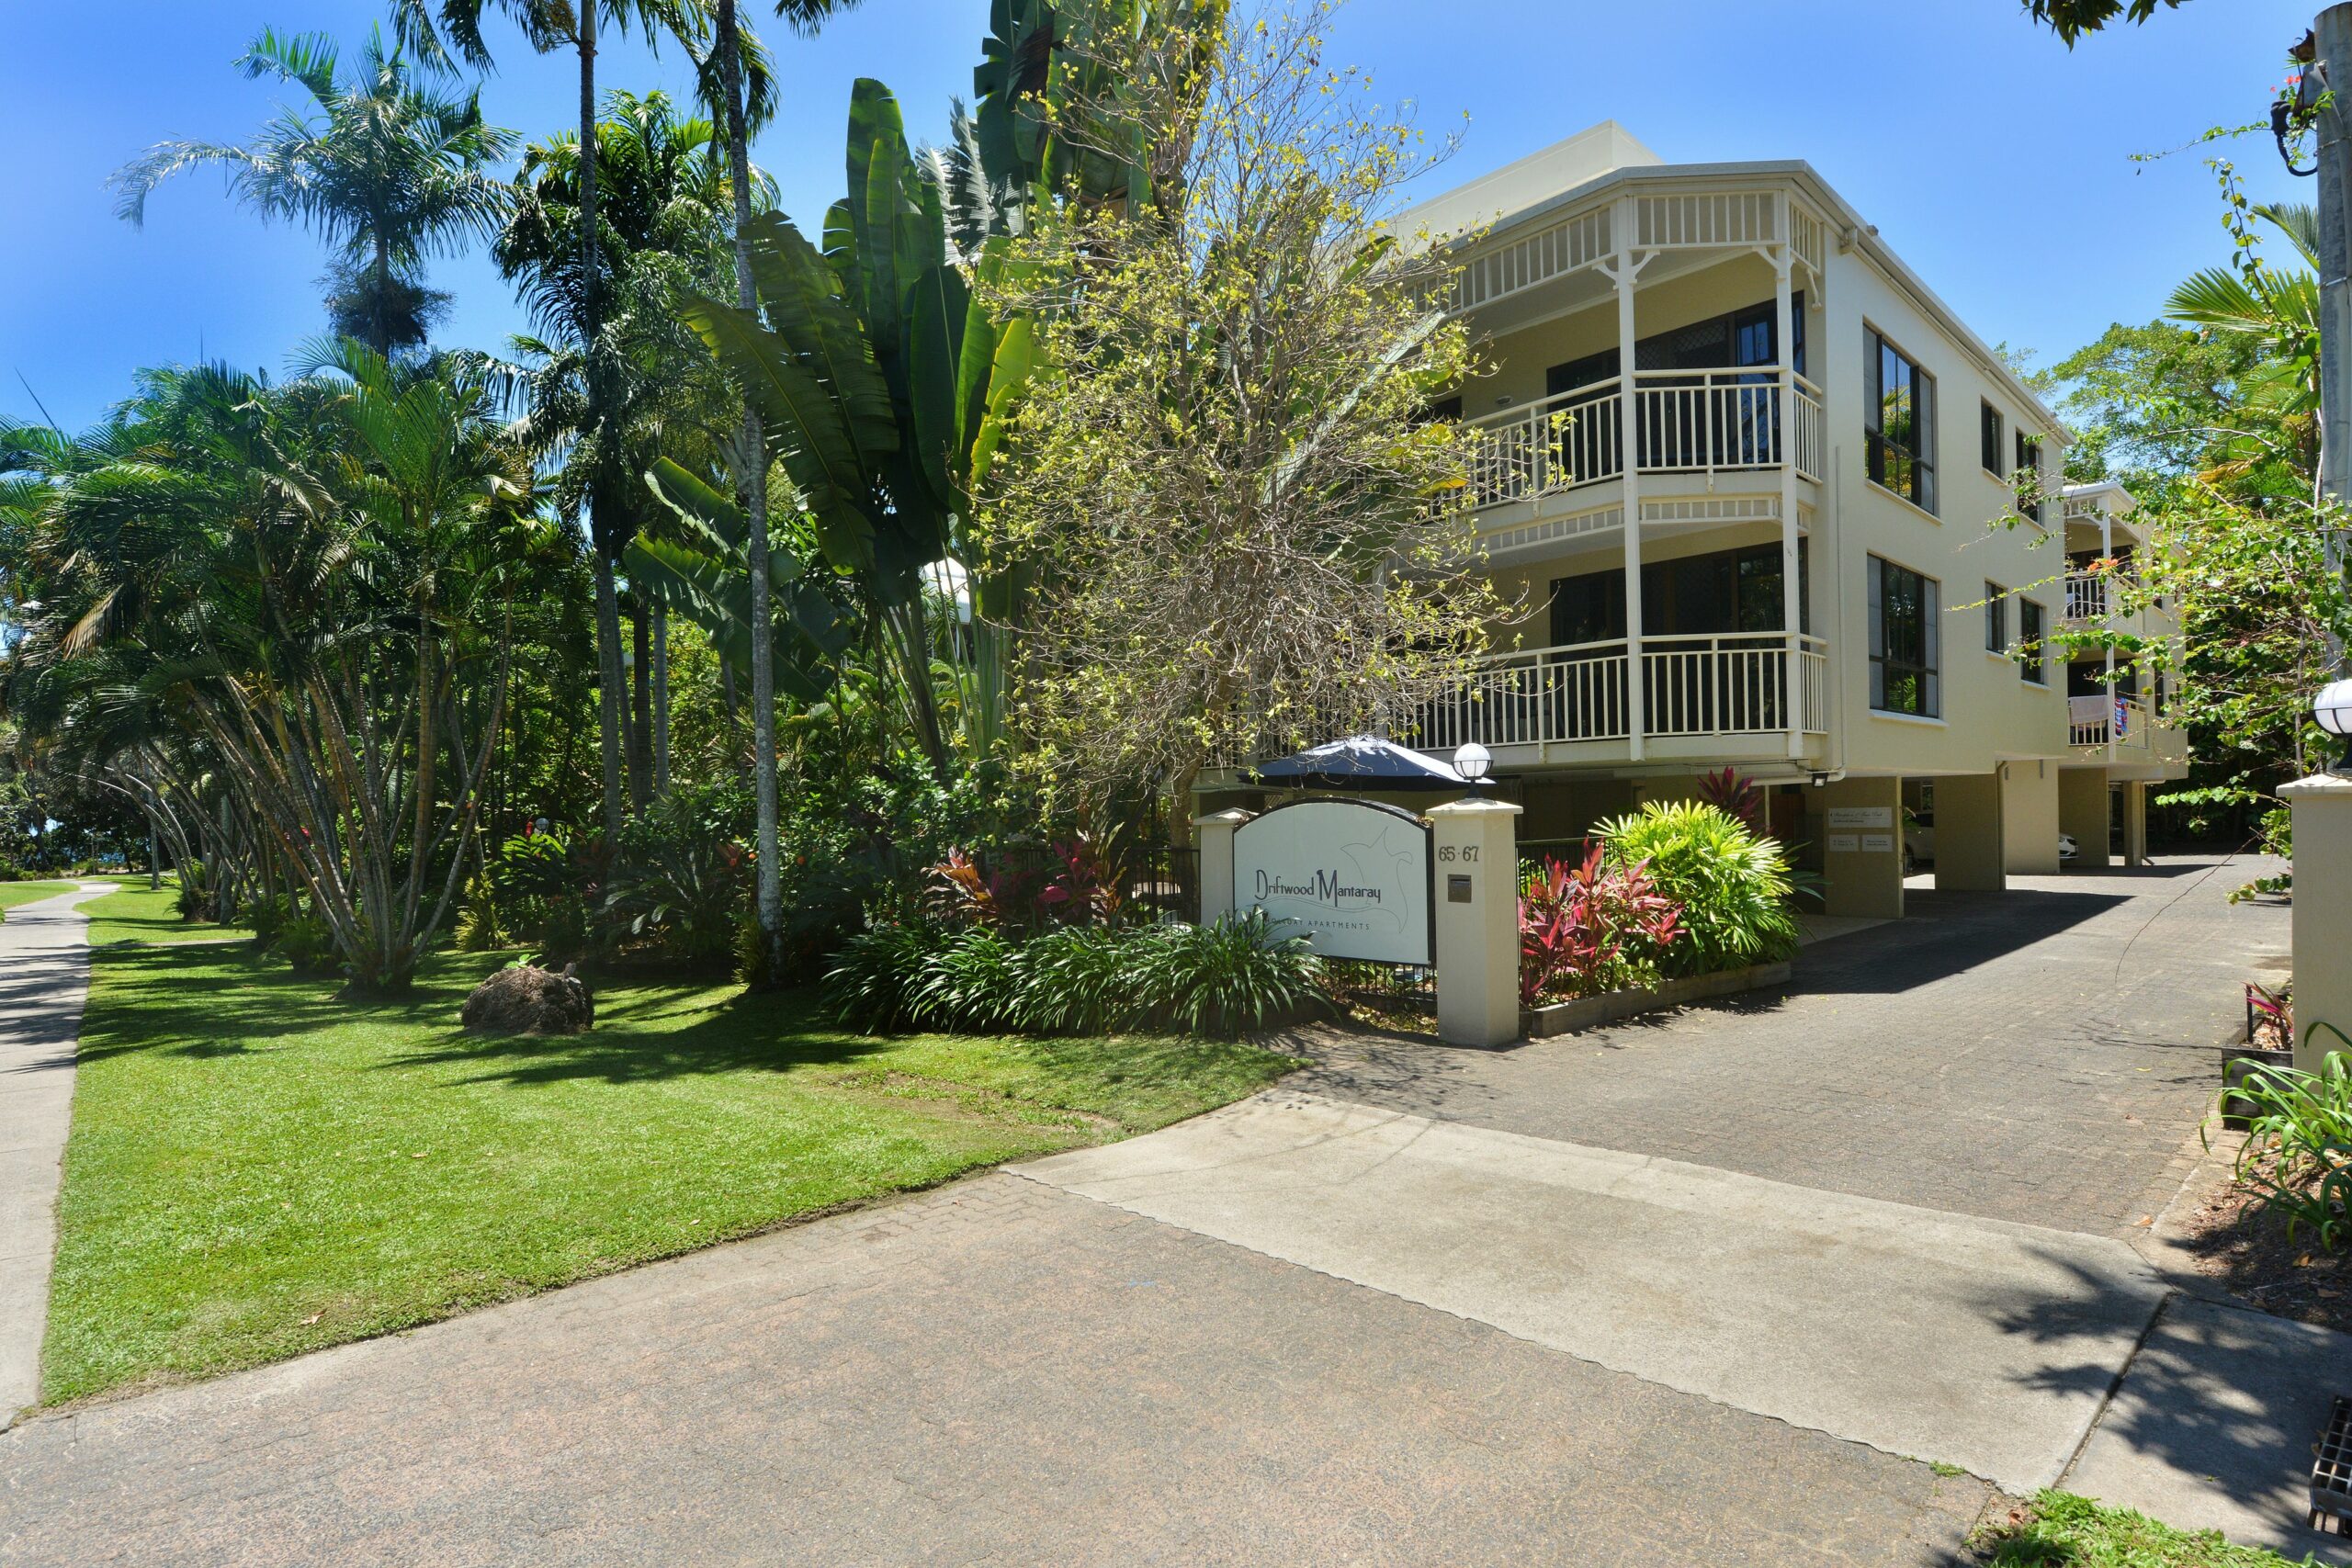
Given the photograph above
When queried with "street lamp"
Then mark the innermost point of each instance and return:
(1471, 760)
(2333, 709)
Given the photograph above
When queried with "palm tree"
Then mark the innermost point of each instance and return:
(384, 167)
(728, 47)
(662, 211)
(549, 25)
(302, 594)
(2274, 313)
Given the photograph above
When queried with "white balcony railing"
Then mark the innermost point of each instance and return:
(2086, 595)
(1687, 421)
(1731, 684)
(2091, 719)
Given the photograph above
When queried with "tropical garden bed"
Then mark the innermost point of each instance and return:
(1676, 903)
(259, 1168)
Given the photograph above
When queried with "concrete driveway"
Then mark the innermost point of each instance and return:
(1687, 1291)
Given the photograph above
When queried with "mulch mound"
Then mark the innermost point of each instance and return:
(529, 1001)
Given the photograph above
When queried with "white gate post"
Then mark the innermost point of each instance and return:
(1475, 861)
(1215, 832)
(2322, 925)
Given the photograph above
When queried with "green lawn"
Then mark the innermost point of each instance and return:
(2067, 1532)
(257, 1170)
(138, 913)
(15, 893)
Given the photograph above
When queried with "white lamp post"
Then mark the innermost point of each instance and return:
(2333, 709)
(1472, 760)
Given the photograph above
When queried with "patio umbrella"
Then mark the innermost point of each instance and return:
(1362, 762)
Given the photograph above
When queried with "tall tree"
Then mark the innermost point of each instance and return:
(1241, 529)
(384, 166)
(663, 212)
(547, 25)
(729, 48)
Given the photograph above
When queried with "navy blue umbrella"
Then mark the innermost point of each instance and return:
(1362, 762)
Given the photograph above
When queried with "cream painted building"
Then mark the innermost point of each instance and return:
(1739, 463)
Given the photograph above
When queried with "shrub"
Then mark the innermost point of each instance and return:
(1078, 980)
(1232, 978)
(265, 917)
(550, 887)
(871, 984)
(683, 893)
(1731, 883)
(971, 982)
(1591, 927)
(2298, 1146)
(307, 942)
(195, 899)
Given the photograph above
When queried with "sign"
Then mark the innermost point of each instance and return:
(1351, 875)
(1843, 844)
(1878, 843)
(1861, 817)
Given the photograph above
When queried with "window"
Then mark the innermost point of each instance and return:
(1902, 641)
(1899, 422)
(1732, 340)
(2030, 467)
(1994, 443)
(1996, 619)
(2032, 656)
(1725, 591)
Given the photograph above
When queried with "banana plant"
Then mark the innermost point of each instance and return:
(697, 564)
(880, 379)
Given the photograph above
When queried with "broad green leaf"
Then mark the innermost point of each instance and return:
(941, 302)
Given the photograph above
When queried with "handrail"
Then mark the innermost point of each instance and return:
(1698, 684)
(1721, 419)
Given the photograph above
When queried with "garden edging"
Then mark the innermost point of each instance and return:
(1586, 1012)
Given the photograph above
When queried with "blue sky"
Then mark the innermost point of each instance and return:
(1996, 162)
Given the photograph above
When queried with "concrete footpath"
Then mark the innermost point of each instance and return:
(44, 976)
(1944, 1336)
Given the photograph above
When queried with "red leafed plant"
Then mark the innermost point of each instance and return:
(962, 893)
(1085, 886)
(1735, 795)
(1590, 927)
(1078, 886)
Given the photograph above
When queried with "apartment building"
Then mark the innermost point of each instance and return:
(1743, 465)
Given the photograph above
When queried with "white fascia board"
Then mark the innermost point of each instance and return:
(1840, 216)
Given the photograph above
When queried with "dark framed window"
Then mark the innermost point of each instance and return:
(1903, 652)
(1724, 591)
(1730, 341)
(2032, 658)
(1996, 619)
(1996, 439)
(2030, 464)
(1899, 422)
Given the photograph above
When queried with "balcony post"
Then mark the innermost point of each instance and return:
(1623, 272)
(1783, 441)
(2106, 612)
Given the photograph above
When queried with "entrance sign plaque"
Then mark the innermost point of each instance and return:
(1352, 875)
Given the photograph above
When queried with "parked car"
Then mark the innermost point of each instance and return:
(1919, 839)
(2066, 849)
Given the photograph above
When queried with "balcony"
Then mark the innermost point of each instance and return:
(2086, 595)
(1687, 422)
(1708, 688)
(2095, 720)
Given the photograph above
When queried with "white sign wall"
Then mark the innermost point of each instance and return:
(1352, 875)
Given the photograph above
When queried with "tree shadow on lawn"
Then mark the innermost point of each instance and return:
(746, 1033)
(200, 1001)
